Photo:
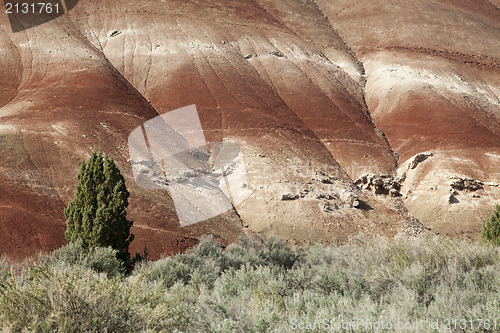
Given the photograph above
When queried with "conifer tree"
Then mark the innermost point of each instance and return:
(491, 228)
(97, 214)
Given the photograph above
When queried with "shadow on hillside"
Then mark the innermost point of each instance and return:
(364, 206)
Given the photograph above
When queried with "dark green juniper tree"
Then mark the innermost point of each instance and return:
(97, 214)
(491, 228)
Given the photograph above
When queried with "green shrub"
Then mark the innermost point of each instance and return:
(255, 252)
(100, 259)
(72, 298)
(66, 299)
(206, 262)
(276, 252)
(491, 228)
(246, 250)
(168, 271)
(4, 267)
(255, 286)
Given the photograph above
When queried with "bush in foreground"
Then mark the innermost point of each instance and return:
(491, 228)
(256, 286)
(100, 259)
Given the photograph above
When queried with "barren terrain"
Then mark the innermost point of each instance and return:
(316, 94)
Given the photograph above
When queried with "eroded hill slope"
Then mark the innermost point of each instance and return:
(306, 89)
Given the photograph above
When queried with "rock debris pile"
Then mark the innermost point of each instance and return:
(383, 184)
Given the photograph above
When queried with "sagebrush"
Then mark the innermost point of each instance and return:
(255, 286)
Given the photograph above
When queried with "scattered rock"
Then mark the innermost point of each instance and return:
(325, 196)
(149, 173)
(328, 208)
(355, 203)
(379, 184)
(466, 184)
(277, 53)
(452, 199)
(393, 192)
(412, 164)
(411, 227)
(190, 174)
(289, 197)
(401, 177)
(417, 159)
(350, 199)
(303, 193)
(325, 178)
(115, 33)
(327, 181)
